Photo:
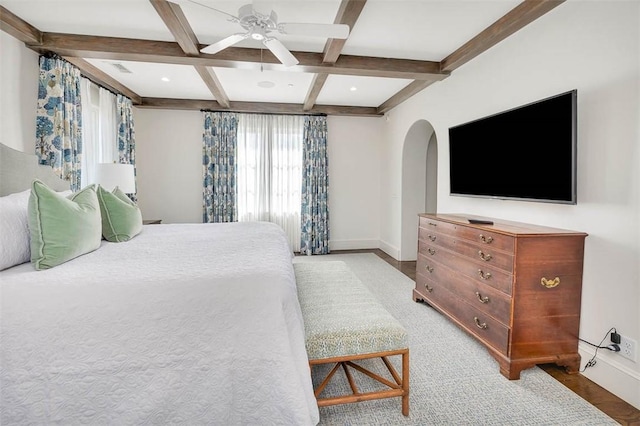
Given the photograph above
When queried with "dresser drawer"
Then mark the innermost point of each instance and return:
(429, 236)
(484, 327)
(430, 256)
(428, 223)
(485, 298)
(481, 235)
(473, 320)
(427, 248)
(474, 251)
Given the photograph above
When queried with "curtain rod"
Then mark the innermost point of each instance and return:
(266, 113)
(105, 88)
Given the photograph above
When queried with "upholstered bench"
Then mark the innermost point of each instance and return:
(344, 323)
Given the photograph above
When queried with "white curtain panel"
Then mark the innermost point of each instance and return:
(108, 127)
(99, 129)
(269, 161)
(89, 133)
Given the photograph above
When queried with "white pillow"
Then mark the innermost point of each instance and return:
(14, 230)
(15, 241)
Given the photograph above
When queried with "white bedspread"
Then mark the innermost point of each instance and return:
(191, 324)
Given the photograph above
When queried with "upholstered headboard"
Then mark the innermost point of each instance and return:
(19, 169)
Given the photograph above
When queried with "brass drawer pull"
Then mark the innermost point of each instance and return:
(429, 268)
(480, 325)
(484, 299)
(484, 275)
(429, 289)
(550, 283)
(484, 256)
(433, 224)
(431, 251)
(431, 237)
(486, 240)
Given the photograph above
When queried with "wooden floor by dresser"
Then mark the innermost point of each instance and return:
(619, 410)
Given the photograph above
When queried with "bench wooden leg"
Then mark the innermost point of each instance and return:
(399, 388)
(405, 383)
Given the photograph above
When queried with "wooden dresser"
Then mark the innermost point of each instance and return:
(515, 287)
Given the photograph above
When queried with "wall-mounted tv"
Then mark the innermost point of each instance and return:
(527, 153)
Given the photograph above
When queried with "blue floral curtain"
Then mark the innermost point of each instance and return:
(126, 134)
(219, 144)
(59, 119)
(314, 238)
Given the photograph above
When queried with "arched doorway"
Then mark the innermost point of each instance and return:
(419, 183)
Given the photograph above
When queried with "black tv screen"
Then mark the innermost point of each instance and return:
(526, 153)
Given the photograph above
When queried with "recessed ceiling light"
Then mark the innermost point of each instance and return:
(165, 79)
(353, 88)
(266, 84)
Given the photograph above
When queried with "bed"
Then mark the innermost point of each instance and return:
(185, 323)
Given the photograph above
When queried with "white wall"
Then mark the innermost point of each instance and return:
(594, 47)
(414, 186)
(169, 164)
(354, 145)
(169, 167)
(18, 94)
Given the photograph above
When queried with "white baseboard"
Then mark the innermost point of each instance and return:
(390, 250)
(612, 375)
(353, 244)
(365, 244)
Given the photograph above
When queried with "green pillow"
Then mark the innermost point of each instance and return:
(62, 228)
(121, 218)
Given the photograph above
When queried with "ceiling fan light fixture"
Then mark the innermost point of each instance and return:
(258, 34)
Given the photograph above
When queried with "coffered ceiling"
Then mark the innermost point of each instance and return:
(149, 50)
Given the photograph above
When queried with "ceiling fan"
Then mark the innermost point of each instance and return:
(259, 26)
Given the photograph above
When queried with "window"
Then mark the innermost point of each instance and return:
(269, 180)
(99, 127)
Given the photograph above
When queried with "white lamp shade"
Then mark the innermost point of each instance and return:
(110, 175)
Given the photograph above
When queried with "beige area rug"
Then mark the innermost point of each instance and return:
(454, 381)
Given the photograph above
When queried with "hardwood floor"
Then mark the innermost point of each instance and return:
(619, 410)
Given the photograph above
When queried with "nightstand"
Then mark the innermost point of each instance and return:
(152, 222)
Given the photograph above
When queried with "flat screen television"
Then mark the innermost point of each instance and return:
(527, 153)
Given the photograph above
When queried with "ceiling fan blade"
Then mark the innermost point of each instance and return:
(223, 44)
(315, 30)
(280, 52)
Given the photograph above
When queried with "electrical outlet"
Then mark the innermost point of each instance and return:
(628, 348)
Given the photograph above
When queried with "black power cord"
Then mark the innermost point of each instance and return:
(613, 347)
